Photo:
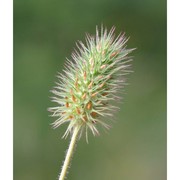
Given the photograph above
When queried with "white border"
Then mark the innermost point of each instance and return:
(6, 72)
(6, 90)
(173, 90)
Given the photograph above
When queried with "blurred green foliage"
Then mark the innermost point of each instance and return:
(45, 33)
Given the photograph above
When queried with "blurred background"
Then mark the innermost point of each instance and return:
(45, 33)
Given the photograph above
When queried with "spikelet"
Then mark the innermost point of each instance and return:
(91, 81)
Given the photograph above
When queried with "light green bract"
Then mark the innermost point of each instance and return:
(91, 81)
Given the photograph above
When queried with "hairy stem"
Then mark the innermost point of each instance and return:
(69, 154)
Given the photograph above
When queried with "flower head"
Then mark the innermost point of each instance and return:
(91, 81)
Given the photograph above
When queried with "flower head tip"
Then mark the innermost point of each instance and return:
(91, 81)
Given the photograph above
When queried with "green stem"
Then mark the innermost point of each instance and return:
(69, 154)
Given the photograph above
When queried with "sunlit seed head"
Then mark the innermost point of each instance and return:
(91, 81)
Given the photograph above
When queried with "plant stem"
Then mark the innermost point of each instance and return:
(69, 154)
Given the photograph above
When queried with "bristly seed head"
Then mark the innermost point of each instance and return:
(91, 82)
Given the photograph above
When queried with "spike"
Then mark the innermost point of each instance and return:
(101, 85)
(67, 104)
(85, 75)
(71, 92)
(103, 52)
(104, 94)
(103, 66)
(70, 117)
(84, 96)
(90, 85)
(94, 114)
(113, 54)
(78, 110)
(94, 94)
(76, 83)
(84, 118)
(73, 98)
(100, 77)
(89, 105)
